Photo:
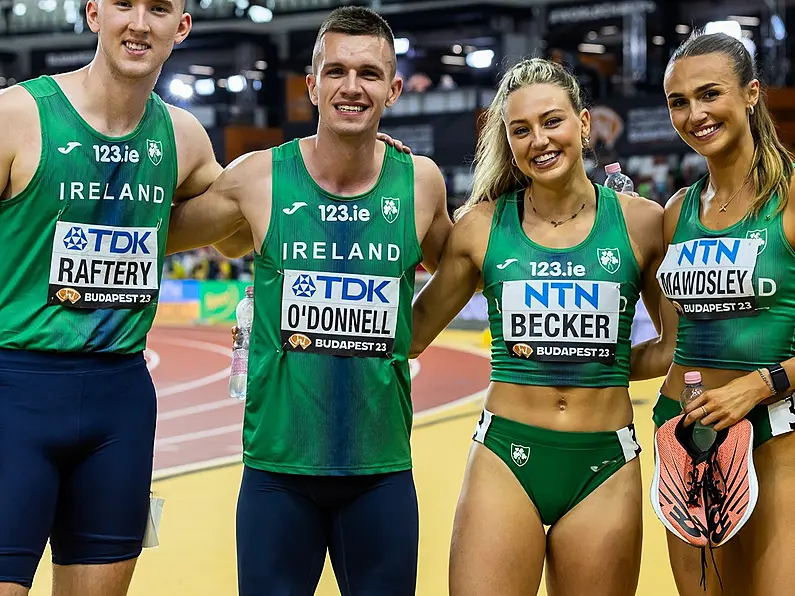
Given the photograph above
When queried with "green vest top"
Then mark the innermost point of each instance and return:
(84, 242)
(329, 381)
(561, 317)
(734, 289)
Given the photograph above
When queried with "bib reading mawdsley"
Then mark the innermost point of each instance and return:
(96, 266)
(563, 321)
(712, 278)
(340, 314)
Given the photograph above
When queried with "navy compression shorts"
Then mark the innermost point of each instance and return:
(287, 522)
(76, 448)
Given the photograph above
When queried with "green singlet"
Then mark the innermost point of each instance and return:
(734, 289)
(329, 381)
(85, 241)
(561, 317)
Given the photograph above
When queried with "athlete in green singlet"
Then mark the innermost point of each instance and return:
(562, 262)
(340, 223)
(730, 272)
(90, 164)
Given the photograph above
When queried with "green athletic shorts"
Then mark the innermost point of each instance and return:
(768, 421)
(556, 469)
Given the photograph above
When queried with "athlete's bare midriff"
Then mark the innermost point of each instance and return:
(567, 409)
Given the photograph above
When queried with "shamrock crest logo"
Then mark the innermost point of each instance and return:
(609, 259)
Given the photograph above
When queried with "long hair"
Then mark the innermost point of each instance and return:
(495, 172)
(771, 166)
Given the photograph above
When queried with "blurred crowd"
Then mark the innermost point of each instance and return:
(208, 264)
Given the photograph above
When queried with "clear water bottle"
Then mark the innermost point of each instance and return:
(703, 436)
(245, 317)
(616, 180)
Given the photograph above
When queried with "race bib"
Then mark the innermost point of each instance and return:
(339, 314)
(561, 321)
(95, 266)
(711, 278)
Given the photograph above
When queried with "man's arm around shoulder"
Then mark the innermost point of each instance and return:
(198, 170)
(220, 211)
(430, 194)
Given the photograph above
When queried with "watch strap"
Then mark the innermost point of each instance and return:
(779, 377)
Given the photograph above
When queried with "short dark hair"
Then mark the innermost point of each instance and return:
(356, 20)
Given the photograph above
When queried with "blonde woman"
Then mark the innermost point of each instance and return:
(738, 332)
(562, 262)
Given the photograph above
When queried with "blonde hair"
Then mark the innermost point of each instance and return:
(495, 171)
(771, 165)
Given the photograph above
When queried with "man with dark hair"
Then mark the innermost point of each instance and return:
(340, 222)
(352, 20)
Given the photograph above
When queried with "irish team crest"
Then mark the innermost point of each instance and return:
(609, 259)
(758, 235)
(154, 149)
(519, 454)
(390, 208)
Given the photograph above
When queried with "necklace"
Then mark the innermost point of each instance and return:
(722, 208)
(552, 221)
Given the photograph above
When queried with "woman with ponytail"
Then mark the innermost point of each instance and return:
(562, 262)
(730, 273)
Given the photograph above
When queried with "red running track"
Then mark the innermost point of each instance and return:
(198, 423)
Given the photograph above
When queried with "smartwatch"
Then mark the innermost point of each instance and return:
(779, 377)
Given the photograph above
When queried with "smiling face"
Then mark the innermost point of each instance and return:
(545, 132)
(707, 104)
(353, 82)
(137, 36)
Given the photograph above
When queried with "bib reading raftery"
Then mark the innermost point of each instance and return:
(711, 278)
(94, 266)
(339, 314)
(561, 321)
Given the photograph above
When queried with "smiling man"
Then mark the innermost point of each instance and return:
(89, 164)
(339, 222)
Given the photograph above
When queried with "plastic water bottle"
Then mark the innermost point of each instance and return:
(616, 180)
(703, 436)
(245, 317)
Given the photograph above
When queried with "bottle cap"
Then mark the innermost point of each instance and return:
(249, 291)
(613, 168)
(692, 378)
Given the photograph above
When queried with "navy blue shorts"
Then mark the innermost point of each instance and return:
(76, 448)
(287, 522)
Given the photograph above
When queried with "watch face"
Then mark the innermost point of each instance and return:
(780, 378)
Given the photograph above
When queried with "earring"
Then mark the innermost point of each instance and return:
(513, 161)
(751, 111)
(586, 141)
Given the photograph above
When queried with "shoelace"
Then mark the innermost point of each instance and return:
(708, 486)
(695, 484)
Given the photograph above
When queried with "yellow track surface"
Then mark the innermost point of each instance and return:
(197, 552)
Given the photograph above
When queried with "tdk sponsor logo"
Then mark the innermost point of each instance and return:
(337, 287)
(75, 239)
(566, 294)
(304, 287)
(710, 251)
(113, 241)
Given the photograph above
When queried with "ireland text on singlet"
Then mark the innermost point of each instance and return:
(86, 238)
(329, 382)
(561, 317)
(734, 289)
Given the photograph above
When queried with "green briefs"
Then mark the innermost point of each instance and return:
(556, 469)
(768, 421)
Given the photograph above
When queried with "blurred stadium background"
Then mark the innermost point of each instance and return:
(241, 72)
